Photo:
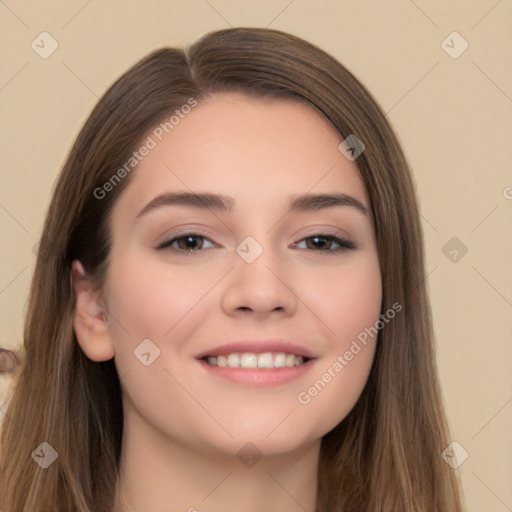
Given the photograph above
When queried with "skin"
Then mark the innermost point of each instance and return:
(8, 362)
(184, 426)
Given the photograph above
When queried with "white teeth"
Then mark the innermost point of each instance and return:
(251, 360)
(233, 360)
(266, 360)
(280, 360)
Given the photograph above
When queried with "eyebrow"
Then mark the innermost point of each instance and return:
(222, 203)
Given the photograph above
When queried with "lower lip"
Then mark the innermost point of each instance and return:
(260, 377)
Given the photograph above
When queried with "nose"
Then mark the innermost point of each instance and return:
(262, 287)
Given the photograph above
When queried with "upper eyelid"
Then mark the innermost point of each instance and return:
(326, 230)
(173, 237)
(202, 235)
(167, 241)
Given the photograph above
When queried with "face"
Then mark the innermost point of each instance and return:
(260, 275)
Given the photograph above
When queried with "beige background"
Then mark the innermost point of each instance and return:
(452, 115)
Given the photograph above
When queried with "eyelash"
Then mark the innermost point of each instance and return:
(344, 243)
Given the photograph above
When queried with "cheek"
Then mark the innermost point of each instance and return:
(148, 298)
(348, 304)
(346, 299)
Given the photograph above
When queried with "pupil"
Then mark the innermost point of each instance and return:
(316, 239)
(191, 239)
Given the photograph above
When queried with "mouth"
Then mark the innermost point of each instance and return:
(252, 360)
(261, 363)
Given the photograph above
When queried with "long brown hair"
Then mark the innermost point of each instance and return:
(385, 456)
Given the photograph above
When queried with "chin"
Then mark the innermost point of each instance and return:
(262, 439)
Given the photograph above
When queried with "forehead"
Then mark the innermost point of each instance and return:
(248, 148)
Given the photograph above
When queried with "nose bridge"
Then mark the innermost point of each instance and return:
(260, 259)
(259, 281)
(260, 226)
(250, 249)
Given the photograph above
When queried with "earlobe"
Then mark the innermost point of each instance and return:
(89, 318)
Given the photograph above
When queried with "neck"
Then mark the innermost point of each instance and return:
(157, 474)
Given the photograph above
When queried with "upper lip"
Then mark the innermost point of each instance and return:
(257, 347)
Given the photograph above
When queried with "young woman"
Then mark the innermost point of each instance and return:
(229, 306)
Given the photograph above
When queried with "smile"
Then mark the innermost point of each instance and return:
(251, 360)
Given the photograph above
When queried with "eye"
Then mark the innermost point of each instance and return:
(187, 243)
(320, 241)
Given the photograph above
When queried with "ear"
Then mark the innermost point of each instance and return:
(89, 318)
